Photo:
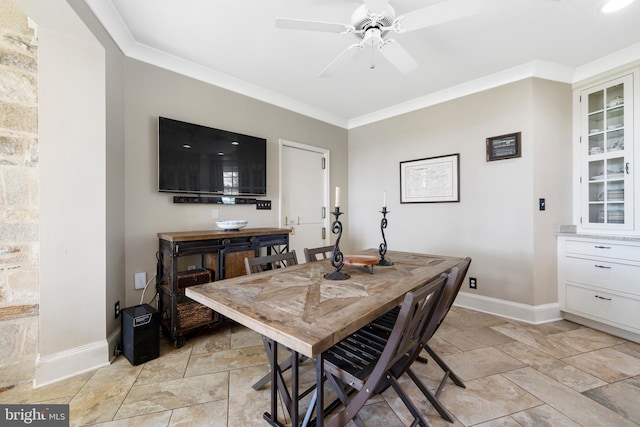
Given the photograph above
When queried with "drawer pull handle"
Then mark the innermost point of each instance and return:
(606, 299)
(602, 247)
(602, 266)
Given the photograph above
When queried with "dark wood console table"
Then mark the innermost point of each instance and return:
(222, 253)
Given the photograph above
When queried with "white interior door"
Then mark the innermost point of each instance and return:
(304, 185)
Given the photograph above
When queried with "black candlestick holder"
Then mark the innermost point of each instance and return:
(382, 249)
(337, 258)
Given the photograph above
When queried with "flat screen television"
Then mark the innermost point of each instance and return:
(202, 160)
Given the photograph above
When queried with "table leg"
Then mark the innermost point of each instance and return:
(271, 348)
(278, 385)
(320, 391)
(293, 411)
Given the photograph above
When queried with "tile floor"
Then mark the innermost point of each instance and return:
(557, 374)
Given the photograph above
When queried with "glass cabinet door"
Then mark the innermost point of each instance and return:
(607, 129)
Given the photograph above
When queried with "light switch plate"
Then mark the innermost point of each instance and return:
(263, 205)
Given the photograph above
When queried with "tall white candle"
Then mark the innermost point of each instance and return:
(384, 200)
(337, 197)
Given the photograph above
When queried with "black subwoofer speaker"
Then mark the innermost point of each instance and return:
(140, 333)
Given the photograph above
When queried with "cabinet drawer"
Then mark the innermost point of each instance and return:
(604, 306)
(603, 250)
(603, 274)
(185, 279)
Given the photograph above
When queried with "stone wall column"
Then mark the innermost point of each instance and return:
(19, 213)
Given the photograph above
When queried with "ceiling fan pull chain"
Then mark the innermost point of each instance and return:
(373, 66)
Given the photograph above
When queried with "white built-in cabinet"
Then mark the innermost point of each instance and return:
(599, 283)
(605, 149)
(599, 264)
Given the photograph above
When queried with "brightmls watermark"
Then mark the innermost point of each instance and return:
(34, 415)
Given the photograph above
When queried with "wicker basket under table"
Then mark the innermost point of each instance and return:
(192, 313)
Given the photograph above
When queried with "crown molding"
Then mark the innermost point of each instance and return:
(112, 22)
(540, 69)
(108, 16)
(622, 58)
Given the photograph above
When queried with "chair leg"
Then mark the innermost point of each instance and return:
(342, 396)
(311, 408)
(434, 400)
(422, 359)
(284, 366)
(417, 416)
(449, 373)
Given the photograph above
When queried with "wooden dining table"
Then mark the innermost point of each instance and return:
(299, 309)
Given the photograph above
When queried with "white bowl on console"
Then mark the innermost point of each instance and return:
(232, 225)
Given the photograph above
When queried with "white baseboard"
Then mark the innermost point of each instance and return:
(68, 363)
(535, 315)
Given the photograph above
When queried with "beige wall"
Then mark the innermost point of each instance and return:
(114, 163)
(496, 221)
(153, 92)
(552, 178)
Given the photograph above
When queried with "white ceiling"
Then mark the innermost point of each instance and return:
(234, 44)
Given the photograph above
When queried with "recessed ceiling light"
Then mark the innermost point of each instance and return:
(235, 143)
(221, 154)
(613, 5)
(187, 146)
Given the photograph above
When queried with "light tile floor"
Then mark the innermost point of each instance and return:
(557, 374)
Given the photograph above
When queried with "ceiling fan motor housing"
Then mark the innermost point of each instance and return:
(362, 20)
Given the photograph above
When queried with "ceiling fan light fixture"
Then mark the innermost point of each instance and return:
(374, 20)
(615, 5)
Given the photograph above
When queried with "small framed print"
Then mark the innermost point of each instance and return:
(430, 180)
(503, 147)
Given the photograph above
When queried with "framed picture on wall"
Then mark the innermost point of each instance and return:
(430, 180)
(503, 147)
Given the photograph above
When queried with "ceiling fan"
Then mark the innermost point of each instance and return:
(372, 23)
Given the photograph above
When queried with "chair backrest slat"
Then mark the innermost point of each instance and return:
(448, 297)
(256, 265)
(315, 254)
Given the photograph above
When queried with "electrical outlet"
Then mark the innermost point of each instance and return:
(116, 310)
(473, 283)
(140, 280)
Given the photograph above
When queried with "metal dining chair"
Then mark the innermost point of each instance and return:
(385, 324)
(369, 362)
(313, 254)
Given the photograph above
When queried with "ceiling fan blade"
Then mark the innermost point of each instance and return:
(302, 24)
(437, 14)
(344, 56)
(398, 56)
(376, 6)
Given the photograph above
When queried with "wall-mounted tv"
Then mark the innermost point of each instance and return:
(203, 160)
